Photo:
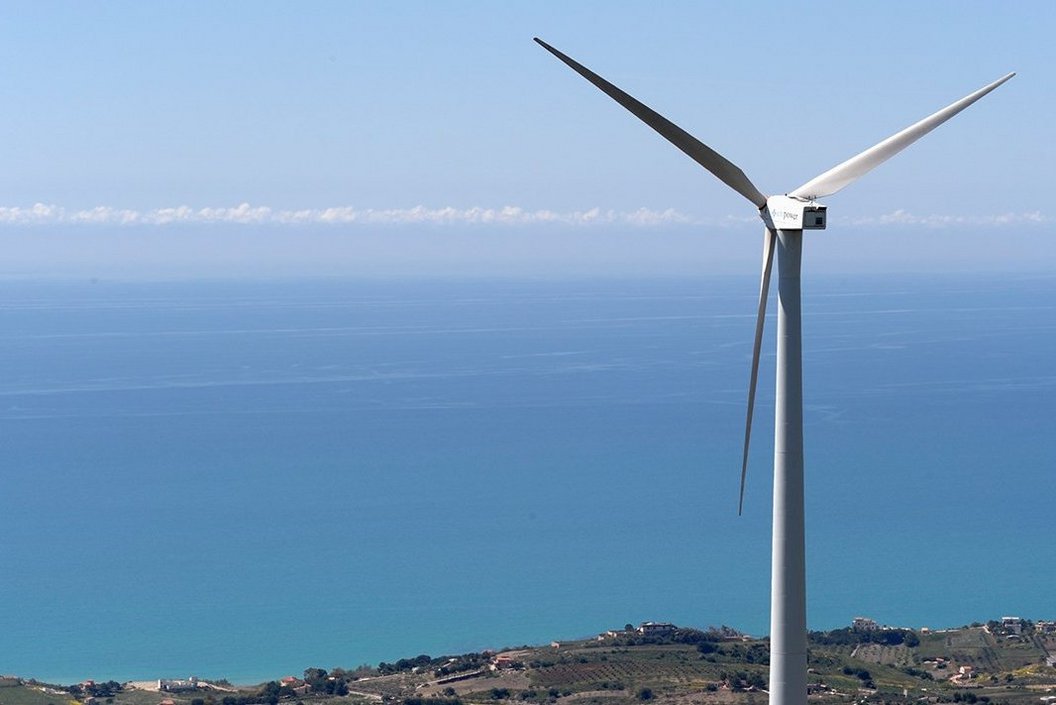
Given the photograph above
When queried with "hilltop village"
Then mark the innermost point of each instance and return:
(1007, 661)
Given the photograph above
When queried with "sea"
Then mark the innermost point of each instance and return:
(244, 479)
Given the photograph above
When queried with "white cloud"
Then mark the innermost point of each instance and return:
(48, 214)
(507, 215)
(246, 214)
(105, 215)
(901, 217)
(37, 213)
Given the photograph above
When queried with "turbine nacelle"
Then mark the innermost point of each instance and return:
(791, 213)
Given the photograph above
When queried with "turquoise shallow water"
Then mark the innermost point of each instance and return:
(245, 479)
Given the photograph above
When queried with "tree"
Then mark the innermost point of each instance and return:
(319, 681)
(645, 694)
(269, 692)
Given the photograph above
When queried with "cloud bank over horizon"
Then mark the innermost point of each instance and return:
(42, 214)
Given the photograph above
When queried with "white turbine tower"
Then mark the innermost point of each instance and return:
(785, 217)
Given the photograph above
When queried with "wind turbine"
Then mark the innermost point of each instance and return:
(785, 217)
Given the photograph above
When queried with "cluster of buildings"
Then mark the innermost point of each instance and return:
(644, 629)
(868, 624)
(1015, 626)
(177, 685)
(1008, 625)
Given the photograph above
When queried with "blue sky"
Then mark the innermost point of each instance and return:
(284, 138)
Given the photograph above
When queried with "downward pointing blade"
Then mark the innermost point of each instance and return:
(858, 166)
(728, 172)
(764, 289)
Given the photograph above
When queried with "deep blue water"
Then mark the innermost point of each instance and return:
(243, 479)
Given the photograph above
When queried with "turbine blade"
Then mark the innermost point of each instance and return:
(727, 172)
(854, 168)
(764, 289)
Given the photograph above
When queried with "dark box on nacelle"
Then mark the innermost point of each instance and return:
(814, 218)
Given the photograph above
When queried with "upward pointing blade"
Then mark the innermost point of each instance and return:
(857, 166)
(764, 288)
(728, 172)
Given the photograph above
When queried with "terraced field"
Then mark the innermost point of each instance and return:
(613, 671)
(979, 648)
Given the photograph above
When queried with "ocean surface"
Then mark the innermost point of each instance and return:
(245, 479)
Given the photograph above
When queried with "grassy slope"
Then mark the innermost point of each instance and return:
(26, 695)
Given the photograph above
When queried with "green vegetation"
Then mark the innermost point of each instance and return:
(991, 664)
(15, 693)
(418, 700)
(96, 690)
(890, 637)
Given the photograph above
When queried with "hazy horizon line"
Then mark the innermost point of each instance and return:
(43, 214)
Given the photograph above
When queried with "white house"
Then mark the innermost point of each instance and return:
(656, 628)
(864, 624)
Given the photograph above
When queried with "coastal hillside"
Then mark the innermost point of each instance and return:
(1002, 662)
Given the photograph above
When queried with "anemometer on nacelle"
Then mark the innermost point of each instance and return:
(788, 213)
